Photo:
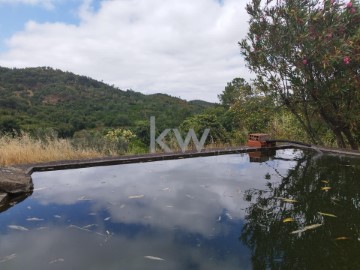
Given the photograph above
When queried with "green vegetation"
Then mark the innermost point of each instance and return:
(306, 56)
(37, 100)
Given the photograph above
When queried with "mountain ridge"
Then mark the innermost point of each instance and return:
(43, 97)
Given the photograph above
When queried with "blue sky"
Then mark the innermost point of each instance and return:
(14, 16)
(183, 48)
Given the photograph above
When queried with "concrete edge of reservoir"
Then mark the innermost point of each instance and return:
(17, 179)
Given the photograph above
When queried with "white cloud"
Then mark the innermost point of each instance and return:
(48, 4)
(184, 48)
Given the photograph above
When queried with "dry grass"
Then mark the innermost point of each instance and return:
(25, 149)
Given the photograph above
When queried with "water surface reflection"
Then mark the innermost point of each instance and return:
(181, 214)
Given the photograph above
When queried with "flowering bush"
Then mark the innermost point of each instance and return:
(307, 55)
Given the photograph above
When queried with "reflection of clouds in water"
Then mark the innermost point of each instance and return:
(188, 193)
(183, 200)
(89, 251)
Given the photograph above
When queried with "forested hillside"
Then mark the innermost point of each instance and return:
(40, 98)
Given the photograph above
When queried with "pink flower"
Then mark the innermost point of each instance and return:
(352, 10)
(349, 5)
(305, 61)
(346, 60)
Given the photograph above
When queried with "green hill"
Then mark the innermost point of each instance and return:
(46, 98)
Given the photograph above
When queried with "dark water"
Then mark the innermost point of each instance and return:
(219, 212)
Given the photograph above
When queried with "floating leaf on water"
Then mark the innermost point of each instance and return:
(19, 228)
(154, 258)
(89, 226)
(286, 200)
(326, 188)
(136, 196)
(313, 226)
(57, 261)
(327, 214)
(306, 228)
(290, 200)
(342, 238)
(8, 258)
(325, 181)
(85, 230)
(34, 219)
(42, 188)
(289, 219)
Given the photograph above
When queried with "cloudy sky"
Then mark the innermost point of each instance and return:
(185, 48)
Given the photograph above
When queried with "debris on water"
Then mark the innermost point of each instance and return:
(57, 216)
(34, 219)
(85, 230)
(227, 214)
(325, 181)
(342, 238)
(219, 218)
(89, 226)
(189, 196)
(136, 196)
(38, 189)
(166, 189)
(327, 214)
(326, 188)
(288, 220)
(306, 228)
(8, 258)
(154, 258)
(57, 261)
(108, 218)
(19, 228)
(286, 200)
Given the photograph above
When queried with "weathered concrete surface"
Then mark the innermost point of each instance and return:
(18, 179)
(3, 197)
(14, 180)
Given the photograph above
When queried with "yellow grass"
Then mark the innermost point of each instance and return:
(24, 149)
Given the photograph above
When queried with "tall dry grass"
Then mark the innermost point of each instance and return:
(24, 149)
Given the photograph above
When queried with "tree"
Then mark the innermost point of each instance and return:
(307, 54)
(249, 109)
(200, 122)
(235, 90)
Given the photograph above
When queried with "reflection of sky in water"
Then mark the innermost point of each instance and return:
(188, 212)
